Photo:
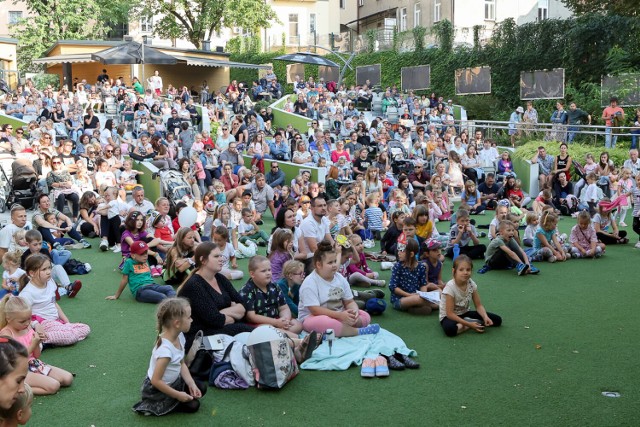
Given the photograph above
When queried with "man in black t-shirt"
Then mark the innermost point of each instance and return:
(361, 163)
(173, 122)
(489, 191)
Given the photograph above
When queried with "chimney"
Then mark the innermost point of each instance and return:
(206, 45)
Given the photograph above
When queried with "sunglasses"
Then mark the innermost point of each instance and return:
(19, 132)
(47, 137)
(208, 149)
(56, 163)
(109, 151)
(225, 128)
(9, 128)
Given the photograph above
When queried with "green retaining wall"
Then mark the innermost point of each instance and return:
(16, 123)
(291, 170)
(152, 188)
(282, 118)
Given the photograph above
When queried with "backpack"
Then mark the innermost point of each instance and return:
(73, 266)
(274, 363)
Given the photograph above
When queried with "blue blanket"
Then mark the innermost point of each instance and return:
(352, 350)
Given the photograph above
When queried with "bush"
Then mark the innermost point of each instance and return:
(42, 80)
(576, 151)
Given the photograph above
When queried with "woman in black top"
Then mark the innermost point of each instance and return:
(301, 107)
(216, 307)
(562, 163)
(90, 120)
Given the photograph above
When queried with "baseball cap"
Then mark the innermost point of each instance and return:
(432, 244)
(139, 247)
(210, 207)
(174, 111)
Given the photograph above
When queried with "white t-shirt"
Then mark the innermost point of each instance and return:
(175, 355)
(461, 300)
(243, 227)
(317, 292)
(42, 301)
(6, 238)
(12, 279)
(227, 253)
(312, 228)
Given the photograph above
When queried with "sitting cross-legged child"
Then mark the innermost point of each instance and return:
(504, 253)
(584, 240)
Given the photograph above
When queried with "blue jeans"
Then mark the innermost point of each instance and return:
(154, 293)
(609, 140)
(60, 256)
(572, 133)
(48, 237)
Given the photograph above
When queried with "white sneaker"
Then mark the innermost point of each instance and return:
(87, 266)
(368, 244)
(104, 245)
(116, 249)
(638, 245)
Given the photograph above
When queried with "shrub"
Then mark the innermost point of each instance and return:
(576, 151)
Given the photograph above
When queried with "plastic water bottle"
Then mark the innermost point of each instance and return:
(456, 251)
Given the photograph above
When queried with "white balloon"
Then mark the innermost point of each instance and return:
(263, 333)
(188, 216)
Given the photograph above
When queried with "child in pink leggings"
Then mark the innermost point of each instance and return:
(40, 295)
(326, 301)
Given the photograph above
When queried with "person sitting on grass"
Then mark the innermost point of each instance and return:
(389, 241)
(462, 233)
(358, 271)
(169, 386)
(504, 253)
(39, 290)
(433, 262)
(455, 316)
(292, 277)
(229, 267)
(471, 197)
(546, 245)
(502, 210)
(180, 257)
(408, 276)
(57, 257)
(249, 230)
(584, 240)
(136, 273)
(326, 300)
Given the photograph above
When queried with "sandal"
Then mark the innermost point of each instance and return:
(308, 345)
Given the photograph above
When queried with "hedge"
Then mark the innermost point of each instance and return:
(576, 151)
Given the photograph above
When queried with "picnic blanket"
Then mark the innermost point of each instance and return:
(352, 350)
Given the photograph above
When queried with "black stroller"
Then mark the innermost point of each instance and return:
(23, 184)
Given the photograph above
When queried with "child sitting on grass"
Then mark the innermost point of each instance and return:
(58, 231)
(57, 257)
(584, 240)
(248, 230)
(281, 252)
(472, 198)
(292, 277)
(433, 262)
(358, 271)
(11, 274)
(229, 261)
(264, 300)
(546, 245)
(39, 290)
(169, 386)
(462, 233)
(455, 316)
(532, 220)
(136, 273)
(15, 322)
(504, 253)
(501, 214)
(409, 276)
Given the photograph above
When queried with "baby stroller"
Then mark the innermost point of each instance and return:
(175, 188)
(22, 188)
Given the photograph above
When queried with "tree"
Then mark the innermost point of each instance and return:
(611, 7)
(197, 20)
(55, 20)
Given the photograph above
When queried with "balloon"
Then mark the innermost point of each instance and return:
(187, 217)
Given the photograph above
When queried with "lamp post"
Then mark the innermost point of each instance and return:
(144, 43)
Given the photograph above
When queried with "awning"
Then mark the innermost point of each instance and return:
(203, 62)
(59, 59)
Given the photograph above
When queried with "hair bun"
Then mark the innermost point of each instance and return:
(325, 246)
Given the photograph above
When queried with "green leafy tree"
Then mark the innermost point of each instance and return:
(197, 20)
(611, 7)
(55, 20)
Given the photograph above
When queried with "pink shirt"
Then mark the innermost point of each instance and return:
(583, 238)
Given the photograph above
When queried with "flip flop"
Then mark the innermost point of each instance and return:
(308, 345)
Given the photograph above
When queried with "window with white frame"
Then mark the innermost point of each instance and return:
(146, 24)
(14, 16)
(437, 5)
(294, 31)
(417, 15)
(490, 10)
(360, 3)
(543, 10)
(403, 19)
(343, 4)
(312, 23)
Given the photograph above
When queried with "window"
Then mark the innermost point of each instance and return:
(14, 17)
(543, 10)
(342, 4)
(293, 28)
(146, 24)
(490, 10)
(312, 23)
(417, 15)
(437, 4)
(360, 3)
(403, 19)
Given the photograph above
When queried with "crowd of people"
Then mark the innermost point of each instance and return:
(386, 184)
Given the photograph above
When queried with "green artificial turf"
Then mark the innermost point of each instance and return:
(567, 335)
